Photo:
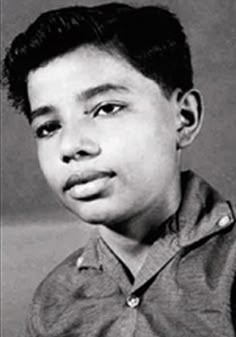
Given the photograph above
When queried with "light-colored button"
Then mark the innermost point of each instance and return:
(224, 221)
(133, 301)
(79, 261)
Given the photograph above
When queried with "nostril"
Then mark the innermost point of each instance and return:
(66, 159)
(76, 156)
(81, 153)
(75, 150)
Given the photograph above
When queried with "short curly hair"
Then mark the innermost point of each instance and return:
(150, 38)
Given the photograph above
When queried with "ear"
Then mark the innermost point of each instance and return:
(189, 117)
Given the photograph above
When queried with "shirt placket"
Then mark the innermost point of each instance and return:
(161, 253)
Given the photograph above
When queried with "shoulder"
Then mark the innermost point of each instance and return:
(222, 236)
(54, 295)
(60, 279)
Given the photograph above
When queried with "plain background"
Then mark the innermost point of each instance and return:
(37, 232)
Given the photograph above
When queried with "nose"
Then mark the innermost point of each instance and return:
(77, 143)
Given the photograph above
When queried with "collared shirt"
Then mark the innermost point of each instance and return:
(186, 287)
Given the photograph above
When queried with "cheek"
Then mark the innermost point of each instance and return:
(142, 143)
(142, 155)
(48, 164)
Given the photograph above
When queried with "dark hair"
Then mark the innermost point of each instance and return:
(150, 38)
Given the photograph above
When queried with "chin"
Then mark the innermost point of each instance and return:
(96, 219)
(94, 212)
(106, 210)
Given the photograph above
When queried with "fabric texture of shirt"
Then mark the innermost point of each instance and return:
(186, 287)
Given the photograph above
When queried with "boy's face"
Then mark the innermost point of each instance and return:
(106, 136)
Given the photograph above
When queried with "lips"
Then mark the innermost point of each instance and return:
(88, 183)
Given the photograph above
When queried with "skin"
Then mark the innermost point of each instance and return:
(99, 120)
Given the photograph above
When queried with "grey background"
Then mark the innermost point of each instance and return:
(35, 225)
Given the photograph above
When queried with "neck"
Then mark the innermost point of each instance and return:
(128, 250)
(131, 240)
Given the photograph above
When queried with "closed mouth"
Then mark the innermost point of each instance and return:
(86, 177)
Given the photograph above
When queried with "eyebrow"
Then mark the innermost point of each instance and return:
(84, 95)
(101, 89)
(41, 111)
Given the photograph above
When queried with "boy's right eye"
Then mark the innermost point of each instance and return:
(47, 129)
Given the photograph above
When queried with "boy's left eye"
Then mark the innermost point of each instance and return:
(107, 109)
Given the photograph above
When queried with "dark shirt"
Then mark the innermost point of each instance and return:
(186, 287)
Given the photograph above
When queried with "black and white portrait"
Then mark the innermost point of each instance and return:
(118, 185)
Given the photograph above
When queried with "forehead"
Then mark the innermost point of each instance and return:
(85, 67)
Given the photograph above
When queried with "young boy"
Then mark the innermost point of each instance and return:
(108, 92)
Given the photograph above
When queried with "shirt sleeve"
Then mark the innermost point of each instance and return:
(233, 304)
(28, 329)
(25, 332)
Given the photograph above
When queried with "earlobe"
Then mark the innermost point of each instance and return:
(189, 118)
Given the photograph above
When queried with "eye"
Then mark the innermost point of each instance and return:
(47, 129)
(107, 109)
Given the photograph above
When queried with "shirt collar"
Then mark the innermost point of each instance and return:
(203, 212)
(90, 257)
